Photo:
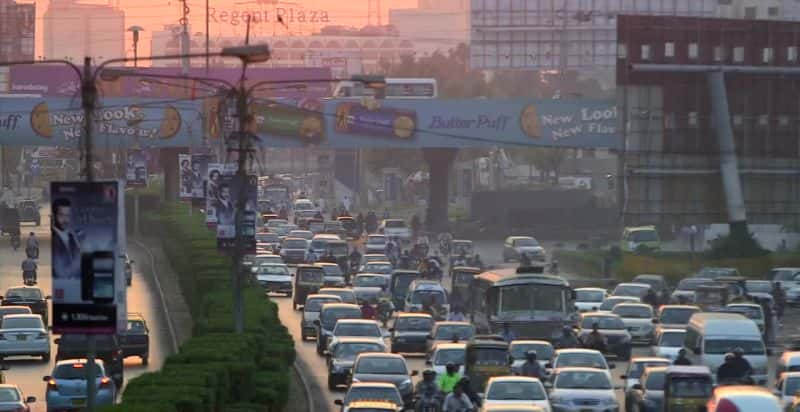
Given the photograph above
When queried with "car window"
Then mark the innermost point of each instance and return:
(690, 387)
(414, 324)
(677, 316)
(603, 322)
(395, 224)
(655, 381)
(420, 297)
(136, 326)
(589, 296)
(723, 346)
(329, 318)
(349, 350)
(526, 243)
(273, 270)
(23, 323)
(671, 339)
(630, 290)
(609, 303)
(315, 305)
(381, 366)
(376, 240)
(74, 371)
(655, 283)
(369, 281)
(791, 385)
(294, 244)
(366, 393)
(356, 329)
(448, 332)
(582, 380)
(332, 270)
(9, 395)
(543, 351)
(636, 369)
(24, 294)
(515, 391)
(636, 312)
(644, 236)
(581, 359)
(378, 268)
(751, 312)
(445, 356)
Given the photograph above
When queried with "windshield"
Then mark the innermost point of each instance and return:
(720, 347)
(395, 224)
(376, 240)
(637, 368)
(526, 243)
(356, 329)
(433, 297)
(631, 290)
(319, 244)
(532, 297)
(337, 248)
(543, 351)
(412, 324)
(609, 303)
(671, 339)
(369, 281)
(690, 387)
(273, 270)
(400, 283)
(581, 360)
(677, 316)
(69, 371)
(23, 323)
(589, 295)
(378, 268)
(24, 294)
(791, 386)
(9, 395)
(329, 317)
(449, 332)
(347, 296)
(381, 366)
(712, 296)
(782, 274)
(294, 244)
(655, 283)
(488, 356)
(635, 312)
(366, 393)
(644, 236)
(582, 380)
(349, 351)
(750, 312)
(758, 286)
(445, 356)
(655, 381)
(303, 206)
(315, 305)
(332, 270)
(311, 275)
(515, 391)
(277, 222)
(691, 284)
(603, 322)
(267, 237)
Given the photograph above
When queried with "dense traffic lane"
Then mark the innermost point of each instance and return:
(142, 297)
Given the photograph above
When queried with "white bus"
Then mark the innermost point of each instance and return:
(396, 88)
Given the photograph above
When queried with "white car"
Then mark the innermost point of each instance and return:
(275, 277)
(638, 319)
(737, 398)
(589, 299)
(445, 353)
(375, 244)
(787, 386)
(515, 246)
(789, 277)
(518, 349)
(355, 328)
(370, 391)
(667, 343)
(514, 390)
(579, 358)
(637, 290)
(395, 228)
(636, 367)
(582, 390)
(608, 305)
(685, 290)
(22, 335)
(752, 311)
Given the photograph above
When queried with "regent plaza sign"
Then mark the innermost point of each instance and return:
(287, 15)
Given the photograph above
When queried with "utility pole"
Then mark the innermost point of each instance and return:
(184, 20)
(208, 45)
(135, 30)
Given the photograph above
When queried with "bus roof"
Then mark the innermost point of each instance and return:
(502, 277)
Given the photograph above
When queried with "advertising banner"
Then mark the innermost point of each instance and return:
(230, 189)
(185, 176)
(212, 183)
(136, 169)
(85, 256)
(199, 174)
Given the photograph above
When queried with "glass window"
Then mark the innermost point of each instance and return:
(603, 322)
(655, 381)
(445, 356)
(369, 281)
(622, 51)
(418, 324)
(645, 52)
(356, 329)
(630, 311)
(750, 13)
(531, 297)
(791, 53)
(543, 351)
(669, 49)
(690, 387)
(381, 366)
(24, 294)
(671, 339)
(719, 53)
(767, 55)
(677, 316)
(738, 54)
(719, 347)
(772, 11)
(582, 380)
(28, 322)
(449, 332)
(74, 371)
(515, 391)
(9, 395)
(589, 296)
(791, 386)
(436, 297)
(315, 305)
(694, 51)
(349, 351)
(636, 369)
(581, 360)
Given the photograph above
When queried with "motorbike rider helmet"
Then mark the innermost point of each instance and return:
(428, 374)
(738, 351)
(451, 367)
(729, 357)
(531, 354)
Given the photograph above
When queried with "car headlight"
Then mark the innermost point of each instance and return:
(405, 385)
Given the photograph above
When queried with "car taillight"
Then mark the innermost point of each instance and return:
(117, 354)
(105, 382)
(51, 385)
(725, 405)
(42, 335)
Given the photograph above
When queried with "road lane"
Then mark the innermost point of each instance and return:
(142, 297)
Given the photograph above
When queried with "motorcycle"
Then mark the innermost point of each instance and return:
(15, 241)
(428, 402)
(444, 248)
(29, 277)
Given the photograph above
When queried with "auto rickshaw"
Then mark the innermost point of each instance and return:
(687, 388)
(308, 280)
(349, 225)
(398, 286)
(486, 357)
(29, 212)
(461, 280)
(711, 297)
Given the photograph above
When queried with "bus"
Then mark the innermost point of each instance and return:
(276, 191)
(534, 305)
(396, 88)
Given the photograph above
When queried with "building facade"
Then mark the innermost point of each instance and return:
(435, 25)
(17, 30)
(75, 30)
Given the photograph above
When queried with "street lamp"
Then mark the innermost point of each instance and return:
(135, 30)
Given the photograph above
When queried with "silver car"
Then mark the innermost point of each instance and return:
(668, 342)
(368, 286)
(582, 390)
(638, 320)
(11, 399)
(311, 309)
(22, 335)
(387, 368)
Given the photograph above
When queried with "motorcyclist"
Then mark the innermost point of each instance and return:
(457, 401)
(568, 339)
(450, 379)
(477, 262)
(682, 359)
(779, 297)
(531, 368)
(29, 267)
(368, 311)
(32, 246)
(405, 260)
(466, 385)
(444, 243)
(741, 364)
(524, 260)
(595, 340)
(385, 306)
(727, 373)
(457, 314)
(427, 387)
(355, 257)
(650, 298)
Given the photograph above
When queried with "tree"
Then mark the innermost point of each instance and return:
(547, 160)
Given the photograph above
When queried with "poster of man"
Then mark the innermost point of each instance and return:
(212, 183)
(230, 190)
(185, 175)
(136, 170)
(198, 175)
(84, 231)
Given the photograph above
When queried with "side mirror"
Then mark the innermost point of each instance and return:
(637, 386)
(414, 373)
(47, 378)
(428, 363)
(338, 402)
(623, 377)
(30, 399)
(612, 366)
(655, 320)
(48, 297)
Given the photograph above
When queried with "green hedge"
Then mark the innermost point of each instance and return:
(216, 370)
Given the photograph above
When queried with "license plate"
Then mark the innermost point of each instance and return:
(586, 410)
(21, 337)
(78, 402)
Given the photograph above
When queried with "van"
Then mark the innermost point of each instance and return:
(709, 336)
(422, 291)
(635, 236)
(320, 243)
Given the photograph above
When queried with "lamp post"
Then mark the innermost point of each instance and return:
(135, 30)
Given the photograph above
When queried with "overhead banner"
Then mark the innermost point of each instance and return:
(230, 189)
(136, 170)
(118, 122)
(86, 264)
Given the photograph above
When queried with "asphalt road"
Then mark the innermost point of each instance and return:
(491, 255)
(142, 297)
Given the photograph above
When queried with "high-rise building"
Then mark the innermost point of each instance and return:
(435, 25)
(74, 30)
(17, 23)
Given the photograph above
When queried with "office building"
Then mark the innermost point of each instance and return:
(74, 30)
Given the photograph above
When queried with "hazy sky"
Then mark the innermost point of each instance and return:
(153, 14)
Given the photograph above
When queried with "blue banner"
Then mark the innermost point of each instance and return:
(118, 122)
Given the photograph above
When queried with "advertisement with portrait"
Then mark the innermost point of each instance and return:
(199, 172)
(136, 169)
(86, 261)
(185, 176)
(230, 190)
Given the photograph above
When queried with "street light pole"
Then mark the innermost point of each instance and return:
(135, 30)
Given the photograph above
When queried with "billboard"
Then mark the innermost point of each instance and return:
(212, 182)
(230, 189)
(87, 269)
(185, 176)
(136, 168)
(198, 174)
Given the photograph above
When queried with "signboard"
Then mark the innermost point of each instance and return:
(213, 183)
(185, 176)
(86, 265)
(198, 175)
(136, 168)
(120, 122)
(225, 207)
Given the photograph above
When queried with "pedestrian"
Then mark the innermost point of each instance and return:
(769, 324)
(779, 297)
(726, 373)
(415, 226)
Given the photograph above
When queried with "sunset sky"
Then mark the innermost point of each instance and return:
(153, 14)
